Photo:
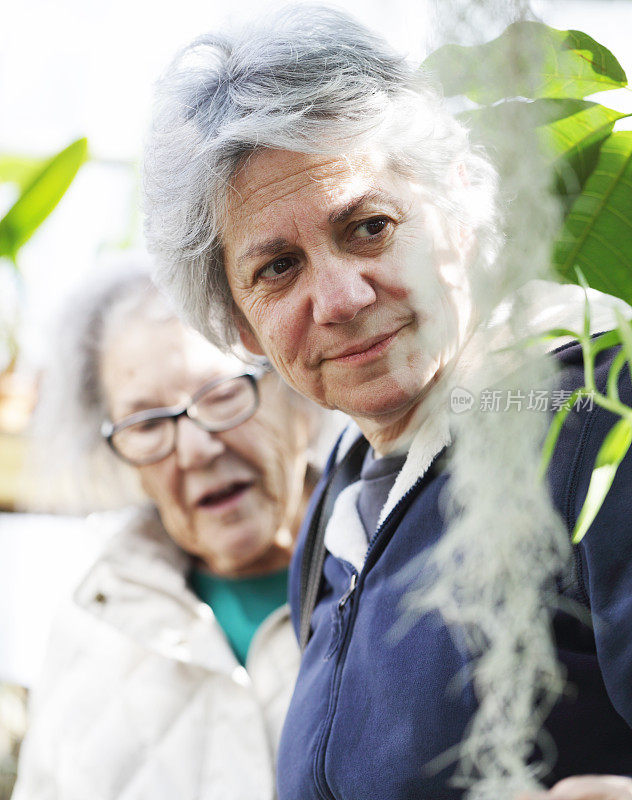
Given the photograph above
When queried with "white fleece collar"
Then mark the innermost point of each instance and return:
(345, 536)
(429, 441)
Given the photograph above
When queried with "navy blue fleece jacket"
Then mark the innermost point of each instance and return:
(370, 712)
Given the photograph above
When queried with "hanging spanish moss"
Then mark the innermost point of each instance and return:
(492, 574)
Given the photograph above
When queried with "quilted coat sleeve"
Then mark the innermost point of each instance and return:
(59, 725)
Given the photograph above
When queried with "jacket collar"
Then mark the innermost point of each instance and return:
(139, 586)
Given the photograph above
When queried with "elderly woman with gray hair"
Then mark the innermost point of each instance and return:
(169, 673)
(307, 194)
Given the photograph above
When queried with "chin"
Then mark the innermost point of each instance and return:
(391, 398)
(241, 547)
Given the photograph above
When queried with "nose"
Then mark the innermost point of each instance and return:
(195, 447)
(340, 290)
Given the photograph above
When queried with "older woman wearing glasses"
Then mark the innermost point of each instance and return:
(170, 673)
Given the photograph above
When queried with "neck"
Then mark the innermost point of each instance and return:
(394, 432)
(276, 558)
(391, 435)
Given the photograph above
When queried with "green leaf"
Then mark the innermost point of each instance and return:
(581, 279)
(538, 339)
(554, 431)
(571, 143)
(569, 133)
(623, 327)
(564, 126)
(597, 233)
(562, 123)
(613, 375)
(40, 197)
(19, 169)
(528, 59)
(611, 454)
(556, 333)
(603, 342)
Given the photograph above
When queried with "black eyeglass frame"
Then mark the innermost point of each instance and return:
(109, 429)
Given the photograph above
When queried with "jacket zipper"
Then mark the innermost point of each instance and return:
(320, 780)
(352, 585)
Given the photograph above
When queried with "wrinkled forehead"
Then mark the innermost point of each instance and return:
(146, 355)
(275, 181)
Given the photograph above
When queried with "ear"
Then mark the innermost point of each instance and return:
(246, 334)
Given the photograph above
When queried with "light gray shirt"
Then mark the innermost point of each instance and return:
(376, 480)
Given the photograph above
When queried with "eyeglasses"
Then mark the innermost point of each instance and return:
(146, 437)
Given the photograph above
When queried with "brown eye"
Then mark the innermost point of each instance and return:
(370, 228)
(278, 269)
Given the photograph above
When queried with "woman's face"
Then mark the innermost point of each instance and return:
(231, 498)
(346, 278)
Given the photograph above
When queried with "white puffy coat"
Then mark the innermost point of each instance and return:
(142, 697)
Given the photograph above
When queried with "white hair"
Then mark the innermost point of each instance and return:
(70, 465)
(307, 79)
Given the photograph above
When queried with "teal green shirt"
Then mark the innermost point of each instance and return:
(240, 604)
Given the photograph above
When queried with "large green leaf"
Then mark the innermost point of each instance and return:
(572, 141)
(40, 197)
(528, 59)
(597, 233)
(611, 454)
(569, 131)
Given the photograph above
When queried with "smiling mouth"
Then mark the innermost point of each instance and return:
(367, 350)
(224, 497)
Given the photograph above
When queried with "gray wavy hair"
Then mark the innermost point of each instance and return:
(307, 79)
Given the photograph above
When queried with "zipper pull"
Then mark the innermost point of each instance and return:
(343, 600)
